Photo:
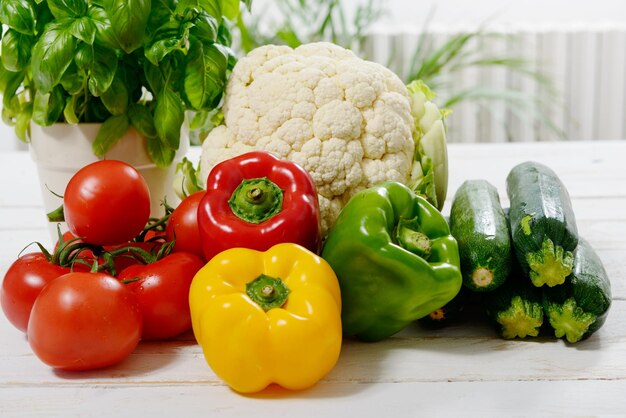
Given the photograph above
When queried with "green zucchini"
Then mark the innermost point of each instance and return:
(578, 308)
(515, 308)
(479, 224)
(543, 226)
(450, 313)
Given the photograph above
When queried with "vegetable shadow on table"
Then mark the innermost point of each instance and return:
(148, 357)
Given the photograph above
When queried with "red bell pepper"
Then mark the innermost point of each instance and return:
(256, 201)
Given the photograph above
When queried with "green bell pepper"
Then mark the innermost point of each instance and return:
(395, 260)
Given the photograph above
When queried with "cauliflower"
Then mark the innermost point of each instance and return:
(350, 123)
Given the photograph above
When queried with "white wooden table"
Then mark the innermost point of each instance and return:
(464, 370)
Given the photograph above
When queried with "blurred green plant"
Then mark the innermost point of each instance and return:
(304, 21)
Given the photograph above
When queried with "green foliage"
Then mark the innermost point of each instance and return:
(438, 65)
(305, 21)
(139, 63)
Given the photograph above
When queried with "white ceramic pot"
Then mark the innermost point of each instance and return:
(62, 149)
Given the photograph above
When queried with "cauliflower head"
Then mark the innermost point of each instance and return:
(350, 123)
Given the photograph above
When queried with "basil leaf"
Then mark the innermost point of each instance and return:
(128, 20)
(7, 117)
(211, 7)
(94, 111)
(232, 58)
(69, 111)
(16, 50)
(160, 5)
(5, 77)
(169, 38)
(100, 64)
(22, 123)
(160, 14)
(84, 29)
(130, 72)
(230, 8)
(43, 16)
(104, 31)
(224, 36)
(205, 28)
(116, 97)
(67, 8)
(204, 122)
(84, 57)
(74, 80)
(153, 76)
(109, 133)
(9, 84)
(102, 71)
(52, 54)
(205, 74)
(18, 15)
(159, 152)
(47, 107)
(169, 115)
(199, 119)
(142, 120)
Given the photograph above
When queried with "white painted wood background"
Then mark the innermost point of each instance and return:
(585, 66)
(465, 370)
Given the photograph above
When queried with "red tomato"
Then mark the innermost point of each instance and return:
(183, 225)
(106, 202)
(163, 292)
(84, 321)
(153, 235)
(22, 284)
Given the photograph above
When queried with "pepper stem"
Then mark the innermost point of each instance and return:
(267, 292)
(409, 237)
(256, 200)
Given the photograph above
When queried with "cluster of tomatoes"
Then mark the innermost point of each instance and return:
(117, 277)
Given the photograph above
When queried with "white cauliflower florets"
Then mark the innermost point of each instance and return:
(347, 121)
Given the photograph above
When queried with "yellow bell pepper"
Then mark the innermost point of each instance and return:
(267, 317)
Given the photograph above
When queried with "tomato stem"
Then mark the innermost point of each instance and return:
(135, 252)
(56, 215)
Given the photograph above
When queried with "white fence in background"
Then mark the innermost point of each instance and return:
(587, 67)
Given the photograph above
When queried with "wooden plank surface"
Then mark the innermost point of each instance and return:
(463, 370)
(466, 352)
(582, 398)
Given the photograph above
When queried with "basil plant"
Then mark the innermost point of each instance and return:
(123, 63)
